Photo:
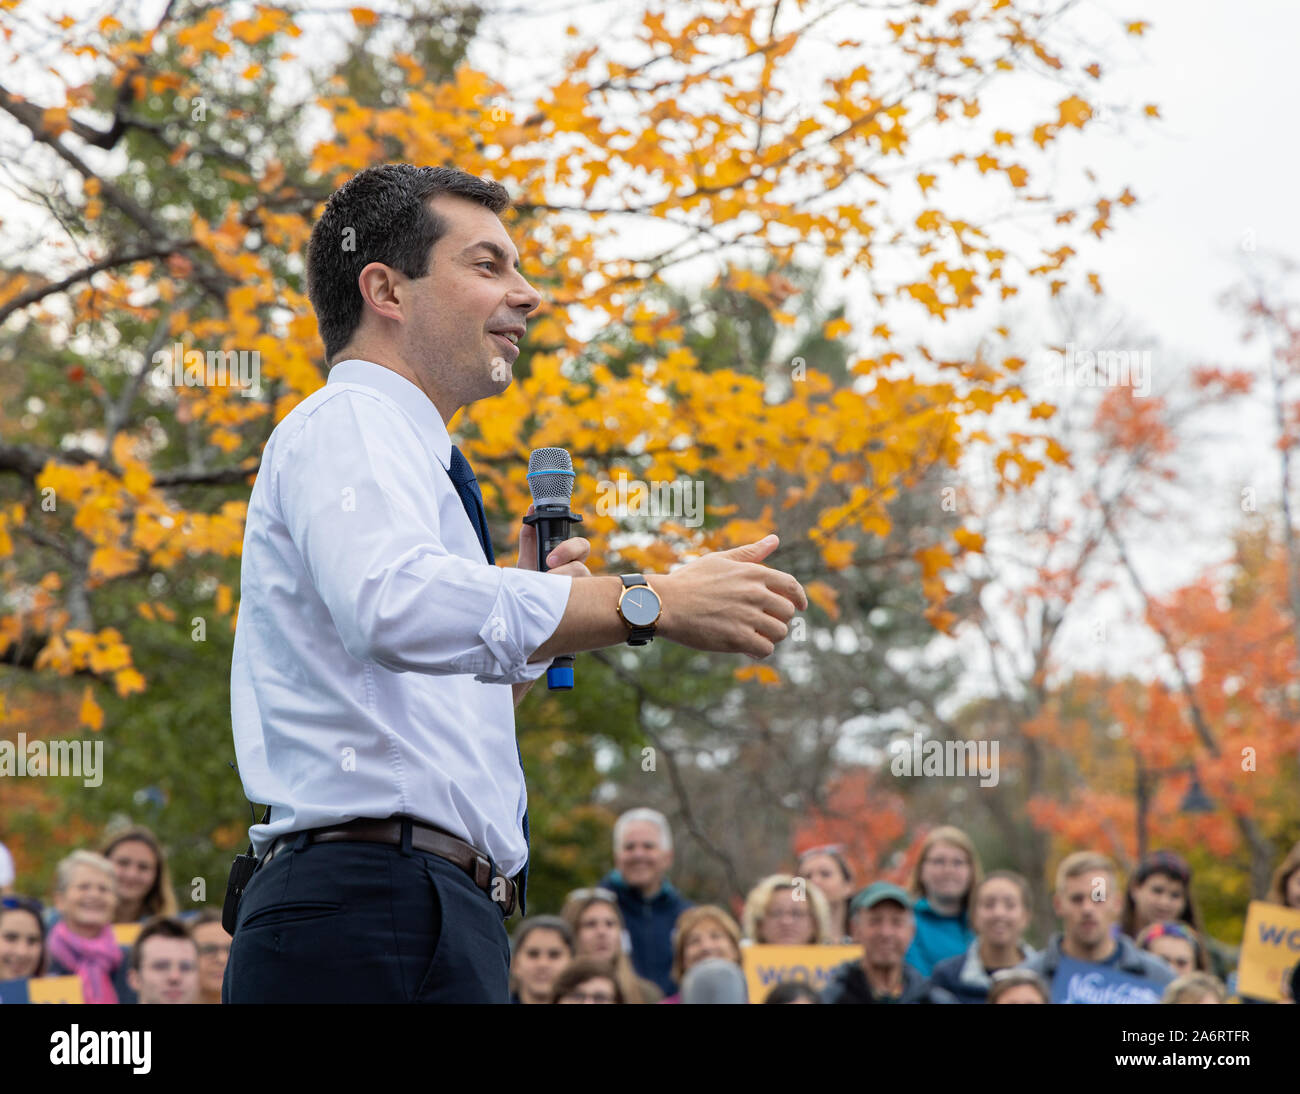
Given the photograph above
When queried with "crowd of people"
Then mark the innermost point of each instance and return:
(952, 934)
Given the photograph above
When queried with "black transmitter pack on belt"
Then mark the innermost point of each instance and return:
(241, 873)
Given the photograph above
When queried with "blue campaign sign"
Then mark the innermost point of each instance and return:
(13, 991)
(1084, 982)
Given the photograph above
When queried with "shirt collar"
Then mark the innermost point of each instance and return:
(417, 405)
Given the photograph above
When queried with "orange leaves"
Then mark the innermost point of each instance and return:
(933, 559)
(763, 674)
(90, 714)
(363, 17)
(824, 597)
(1074, 111)
(109, 562)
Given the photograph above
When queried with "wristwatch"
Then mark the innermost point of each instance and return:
(639, 607)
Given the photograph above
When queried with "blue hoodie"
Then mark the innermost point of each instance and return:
(650, 927)
(937, 936)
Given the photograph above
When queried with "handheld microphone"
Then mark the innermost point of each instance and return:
(550, 481)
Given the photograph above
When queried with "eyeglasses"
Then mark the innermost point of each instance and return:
(607, 895)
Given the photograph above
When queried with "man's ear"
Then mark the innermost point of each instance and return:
(380, 290)
(133, 980)
(1056, 905)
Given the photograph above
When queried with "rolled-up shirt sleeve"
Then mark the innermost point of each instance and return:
(364, 516)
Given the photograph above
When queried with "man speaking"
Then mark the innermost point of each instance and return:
(380, 653)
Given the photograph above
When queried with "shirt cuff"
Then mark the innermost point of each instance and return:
(527, 611)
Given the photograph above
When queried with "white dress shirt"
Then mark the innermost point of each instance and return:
(375, 646)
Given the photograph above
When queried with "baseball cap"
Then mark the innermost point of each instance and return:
(879, 891)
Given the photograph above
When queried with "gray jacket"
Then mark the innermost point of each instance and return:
(1133, 961)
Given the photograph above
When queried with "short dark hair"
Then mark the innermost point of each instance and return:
(160, 926)
(382, 215)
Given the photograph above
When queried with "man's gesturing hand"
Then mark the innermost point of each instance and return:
(728, 603)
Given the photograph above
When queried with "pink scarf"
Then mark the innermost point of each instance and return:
(93, 959)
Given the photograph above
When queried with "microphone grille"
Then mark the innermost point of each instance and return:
(550, 476)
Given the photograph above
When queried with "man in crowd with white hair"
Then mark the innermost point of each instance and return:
(643, 854)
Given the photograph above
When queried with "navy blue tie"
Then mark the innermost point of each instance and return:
(471, 497)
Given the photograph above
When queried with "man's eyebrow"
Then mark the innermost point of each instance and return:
(487, 245)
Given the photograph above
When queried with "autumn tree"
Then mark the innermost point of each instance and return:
(168, 177)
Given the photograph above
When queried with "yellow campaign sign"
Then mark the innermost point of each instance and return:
(767, 966)
(55, 989)
(126, 933)
(1270, 949)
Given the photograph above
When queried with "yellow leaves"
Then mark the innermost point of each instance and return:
(90, 714)
(968, 540)
(837, 553)
(1137, 28)
(1044, 133)
(1074, 111)
(1002, 137)
(933, 559)
(837, 327)
(1095, 282)
(109, 562)
(986, 163)
(784, 318)
(1042, 410)
(1151, 110)
(930, 220)
(893, 139)
(925, 182)
(1018, 175)
(55, 120)
(1056, 453)
(222, 600)
(363, 17)
(763, 674)
(824, 597)
(1093, 70)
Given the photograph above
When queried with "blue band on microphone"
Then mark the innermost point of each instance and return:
(560, 678)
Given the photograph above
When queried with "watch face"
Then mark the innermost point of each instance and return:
(640, 606)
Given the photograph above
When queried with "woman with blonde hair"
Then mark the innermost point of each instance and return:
(598, 931)
(946, 873)
(144, 888)
(1195, 987)
(702, 932)
(787, 911)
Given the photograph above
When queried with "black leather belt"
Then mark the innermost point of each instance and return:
(424, 837)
